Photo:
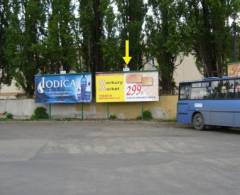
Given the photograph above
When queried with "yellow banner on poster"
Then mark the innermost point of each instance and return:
(109, 88)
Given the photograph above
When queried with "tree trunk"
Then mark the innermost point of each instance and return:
(97, 35)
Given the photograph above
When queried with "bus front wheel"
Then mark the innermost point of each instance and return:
(198, 121)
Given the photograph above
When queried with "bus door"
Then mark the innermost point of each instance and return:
(183, 104)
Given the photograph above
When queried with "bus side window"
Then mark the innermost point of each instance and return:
(237, 89)
(215, 90)
(226, 89)
(209, 93)
(230, 88)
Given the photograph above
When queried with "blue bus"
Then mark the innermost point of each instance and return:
(209, 102)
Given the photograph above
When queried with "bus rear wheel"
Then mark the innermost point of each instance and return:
(198, 121)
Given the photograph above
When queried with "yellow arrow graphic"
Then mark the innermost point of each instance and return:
(127, 58)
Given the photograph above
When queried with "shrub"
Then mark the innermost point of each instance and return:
(112, 117)
(147, 115)
(40, 113)
(9, 116)
(6, 116)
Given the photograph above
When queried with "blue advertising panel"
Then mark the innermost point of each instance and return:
(66, 88)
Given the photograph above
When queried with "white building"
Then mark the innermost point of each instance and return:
(186, 69)
(10, 91)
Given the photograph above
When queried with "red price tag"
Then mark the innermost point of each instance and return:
(134, 90)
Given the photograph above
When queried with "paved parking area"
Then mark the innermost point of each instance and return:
(117, 158)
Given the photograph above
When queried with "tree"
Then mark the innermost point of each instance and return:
(85, 29)
(4, 12)
(91, 27)
(111, 43)
(165, 41)
(210, 33)
(22, 37)
(97, 36)
(60, 50)
(131, 17)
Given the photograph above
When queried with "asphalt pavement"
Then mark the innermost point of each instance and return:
(117, 158)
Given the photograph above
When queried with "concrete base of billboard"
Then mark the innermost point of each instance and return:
(165, 108)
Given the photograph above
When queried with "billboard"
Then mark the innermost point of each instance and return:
(127, 87)
(66, 88)
(234, 70)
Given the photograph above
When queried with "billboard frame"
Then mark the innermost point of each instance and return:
(124, 73)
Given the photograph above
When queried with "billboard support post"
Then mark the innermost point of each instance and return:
(50, 111)
(82, 112)
(107, 109)
(142, 110)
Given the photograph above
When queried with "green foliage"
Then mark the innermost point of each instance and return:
(6, 116)
(9, 116)
(146, 115)
(45, 36)
(40, 113)
(7, 20)
(131, 18)
(210, 33)
(22, 40)
(111, 45)
(60, 51)
(112, 117)
(91, 27)
(165, 38)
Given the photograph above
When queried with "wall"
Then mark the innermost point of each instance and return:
(19, 108)
(10, 89)
(165, 108)
(187, 70)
